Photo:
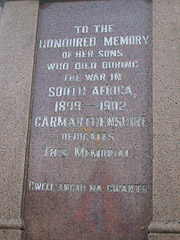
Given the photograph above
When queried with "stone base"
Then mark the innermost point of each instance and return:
(163, 236)
(11, 235)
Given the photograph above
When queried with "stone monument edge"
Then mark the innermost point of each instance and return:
(158, 229)
(18, 27)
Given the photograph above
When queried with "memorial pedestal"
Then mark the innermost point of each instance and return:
(18, 26)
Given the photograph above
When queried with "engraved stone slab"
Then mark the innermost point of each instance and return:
(90, 158)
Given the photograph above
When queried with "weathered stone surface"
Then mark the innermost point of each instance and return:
(11, 235)
(164, 236)
(166, 111)
(90, 159)
(17, 41)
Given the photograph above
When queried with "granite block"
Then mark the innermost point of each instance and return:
(17, 44)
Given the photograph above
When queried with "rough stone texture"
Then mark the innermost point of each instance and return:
(164, 236)
(160, 227)
(166, 112)
(17, 40)
(11, 235)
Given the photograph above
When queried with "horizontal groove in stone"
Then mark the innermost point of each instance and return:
(159, 227)
(15, 224)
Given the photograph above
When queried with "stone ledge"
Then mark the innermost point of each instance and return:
(7, 234)
(15, 224)
(159, 227)
(163, 236)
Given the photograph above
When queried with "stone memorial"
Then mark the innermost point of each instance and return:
(89, 173)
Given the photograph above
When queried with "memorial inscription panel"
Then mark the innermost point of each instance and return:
(90, 158)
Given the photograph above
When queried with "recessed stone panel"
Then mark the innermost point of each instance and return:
(90, 158)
